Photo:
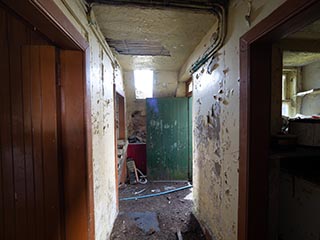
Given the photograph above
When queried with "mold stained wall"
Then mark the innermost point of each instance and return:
(164, 85)
(310, 104)
(102, 76)
(216, 123)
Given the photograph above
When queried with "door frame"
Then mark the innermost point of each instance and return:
(255, 114)
(47, 18)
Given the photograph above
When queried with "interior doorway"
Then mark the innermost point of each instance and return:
(295, 144)
(255, 94)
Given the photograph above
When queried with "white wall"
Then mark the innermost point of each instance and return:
(102, 76)
(216, 125)
(310, 104)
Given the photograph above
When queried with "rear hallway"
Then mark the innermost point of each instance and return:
(98, 95)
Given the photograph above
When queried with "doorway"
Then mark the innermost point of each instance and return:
(295, 148)
(255, 94)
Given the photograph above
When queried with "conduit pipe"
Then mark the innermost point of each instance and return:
(220, 13)
(156, 194)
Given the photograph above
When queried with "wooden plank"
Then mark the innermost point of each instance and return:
(2, 35)
(260, 91)
(17, 36)
(36, 122)
(73, 145)
(88, 139)
(122, 117)
(49, 142)
(8, 212)
(28, 147)
(116, 162)
(1, 192)
(276, 90)
(2, 69)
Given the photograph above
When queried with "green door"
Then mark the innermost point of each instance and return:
(168, 139)
(190, 145)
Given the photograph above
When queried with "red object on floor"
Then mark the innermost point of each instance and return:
(138, 152)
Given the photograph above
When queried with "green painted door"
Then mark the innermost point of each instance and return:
(168, 139)
(190, 145)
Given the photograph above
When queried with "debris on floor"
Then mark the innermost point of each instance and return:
(163, 217)
(146, 221)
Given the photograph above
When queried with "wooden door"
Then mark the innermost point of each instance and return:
(41, 139)
(30, 205)
(43, 169)
(167, 139)
(29, 146)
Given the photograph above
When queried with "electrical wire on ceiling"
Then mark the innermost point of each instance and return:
(218, 39)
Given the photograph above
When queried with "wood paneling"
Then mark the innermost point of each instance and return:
(17, 37)
(30, 200)
(50, 156)
(73, 144)
(28, 143)
(8, 205)
(116, 129)
(32, 197)
(121, 118)
(47, 17)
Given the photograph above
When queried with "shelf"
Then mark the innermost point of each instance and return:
(311, 91)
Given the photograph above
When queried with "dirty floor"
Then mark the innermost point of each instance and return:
(158, 218)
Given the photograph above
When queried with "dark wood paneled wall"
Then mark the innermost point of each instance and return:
(73, 145)
(30, 188)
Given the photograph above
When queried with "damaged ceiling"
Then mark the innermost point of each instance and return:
(302, 58)
(153, 38)
(312, 31)
(299, 59)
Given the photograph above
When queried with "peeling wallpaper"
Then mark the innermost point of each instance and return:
(216, 124)
(102, 77)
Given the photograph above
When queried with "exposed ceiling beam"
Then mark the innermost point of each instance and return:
(204, 5)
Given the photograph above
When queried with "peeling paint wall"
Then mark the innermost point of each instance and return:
(102, 76)
(164, 85)
(310, 104)
(216, 124)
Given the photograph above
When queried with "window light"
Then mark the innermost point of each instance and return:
(143, 82)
